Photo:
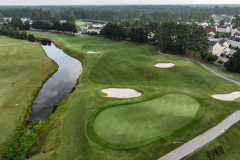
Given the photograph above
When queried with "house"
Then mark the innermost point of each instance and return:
(226, 20)
(218, 47)
(211, 31)
(204, 24)
(224, 28)
(236, 30)
(237, 34)
(6, 19)
(92, 27)
(218, 16)
(234, 41)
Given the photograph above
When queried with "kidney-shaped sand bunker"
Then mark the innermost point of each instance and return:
(121, 92)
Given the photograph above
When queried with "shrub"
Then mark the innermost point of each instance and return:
(31, 38)
(223, 54)
(211, 57)
(203, 55)
(212, 154)
(23, 35)
(220, 61)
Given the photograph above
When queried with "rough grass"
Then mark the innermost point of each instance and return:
(128, 65)
(23, 66)
(138, 122)
(223, 71)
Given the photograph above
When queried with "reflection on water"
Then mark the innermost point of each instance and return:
(59, 85)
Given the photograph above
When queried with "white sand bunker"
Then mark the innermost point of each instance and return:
(121, 92)
(227, 97)
(164, 65)
(92, 52)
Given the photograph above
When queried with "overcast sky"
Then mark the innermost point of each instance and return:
(104, 2)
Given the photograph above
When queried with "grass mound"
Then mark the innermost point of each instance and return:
(133, 123)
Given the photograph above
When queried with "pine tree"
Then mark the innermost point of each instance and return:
(17, 33)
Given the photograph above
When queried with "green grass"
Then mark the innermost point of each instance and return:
(223, 71)
(130, 65)
(93, 21)
(138, 122)
(78, 23)
(23, 66)
(216, 20)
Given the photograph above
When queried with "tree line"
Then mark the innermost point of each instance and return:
(57, 26)
(170, 36)
(109, 13)
(7, 30)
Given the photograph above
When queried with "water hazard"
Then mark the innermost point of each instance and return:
(59, 85)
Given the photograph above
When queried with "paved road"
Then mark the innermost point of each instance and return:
(209, 135)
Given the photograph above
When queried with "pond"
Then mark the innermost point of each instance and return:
(58, 85)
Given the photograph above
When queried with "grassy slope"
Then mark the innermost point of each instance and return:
(122, 64)
(23, 66)
(223, 71)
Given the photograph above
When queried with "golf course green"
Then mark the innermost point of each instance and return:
(175, 105)
(138, 122)
(23, 68)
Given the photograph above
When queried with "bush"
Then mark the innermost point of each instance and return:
(211, 57)
(203, 55)
(31, 38)
(212, 154)
(223, 54)
(233, 64)
(23, 35)
(220, 61)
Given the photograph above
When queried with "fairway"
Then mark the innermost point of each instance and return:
(23, 66)
(138, 122)
(176, 103)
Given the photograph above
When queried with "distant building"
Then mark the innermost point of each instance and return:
(7, 19)
(211, 31)
(234, 41)
(92, 27)
(224, 28)
(236, 30)
(218, 47)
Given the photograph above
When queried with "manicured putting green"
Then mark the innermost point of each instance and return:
(138, 122)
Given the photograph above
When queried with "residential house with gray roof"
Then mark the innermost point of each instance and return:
(234, 41)
(218, 47)
(224, 28)
(235, 30)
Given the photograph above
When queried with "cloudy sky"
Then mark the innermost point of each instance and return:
(103, 2)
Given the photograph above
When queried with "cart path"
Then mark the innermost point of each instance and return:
(192, 145)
